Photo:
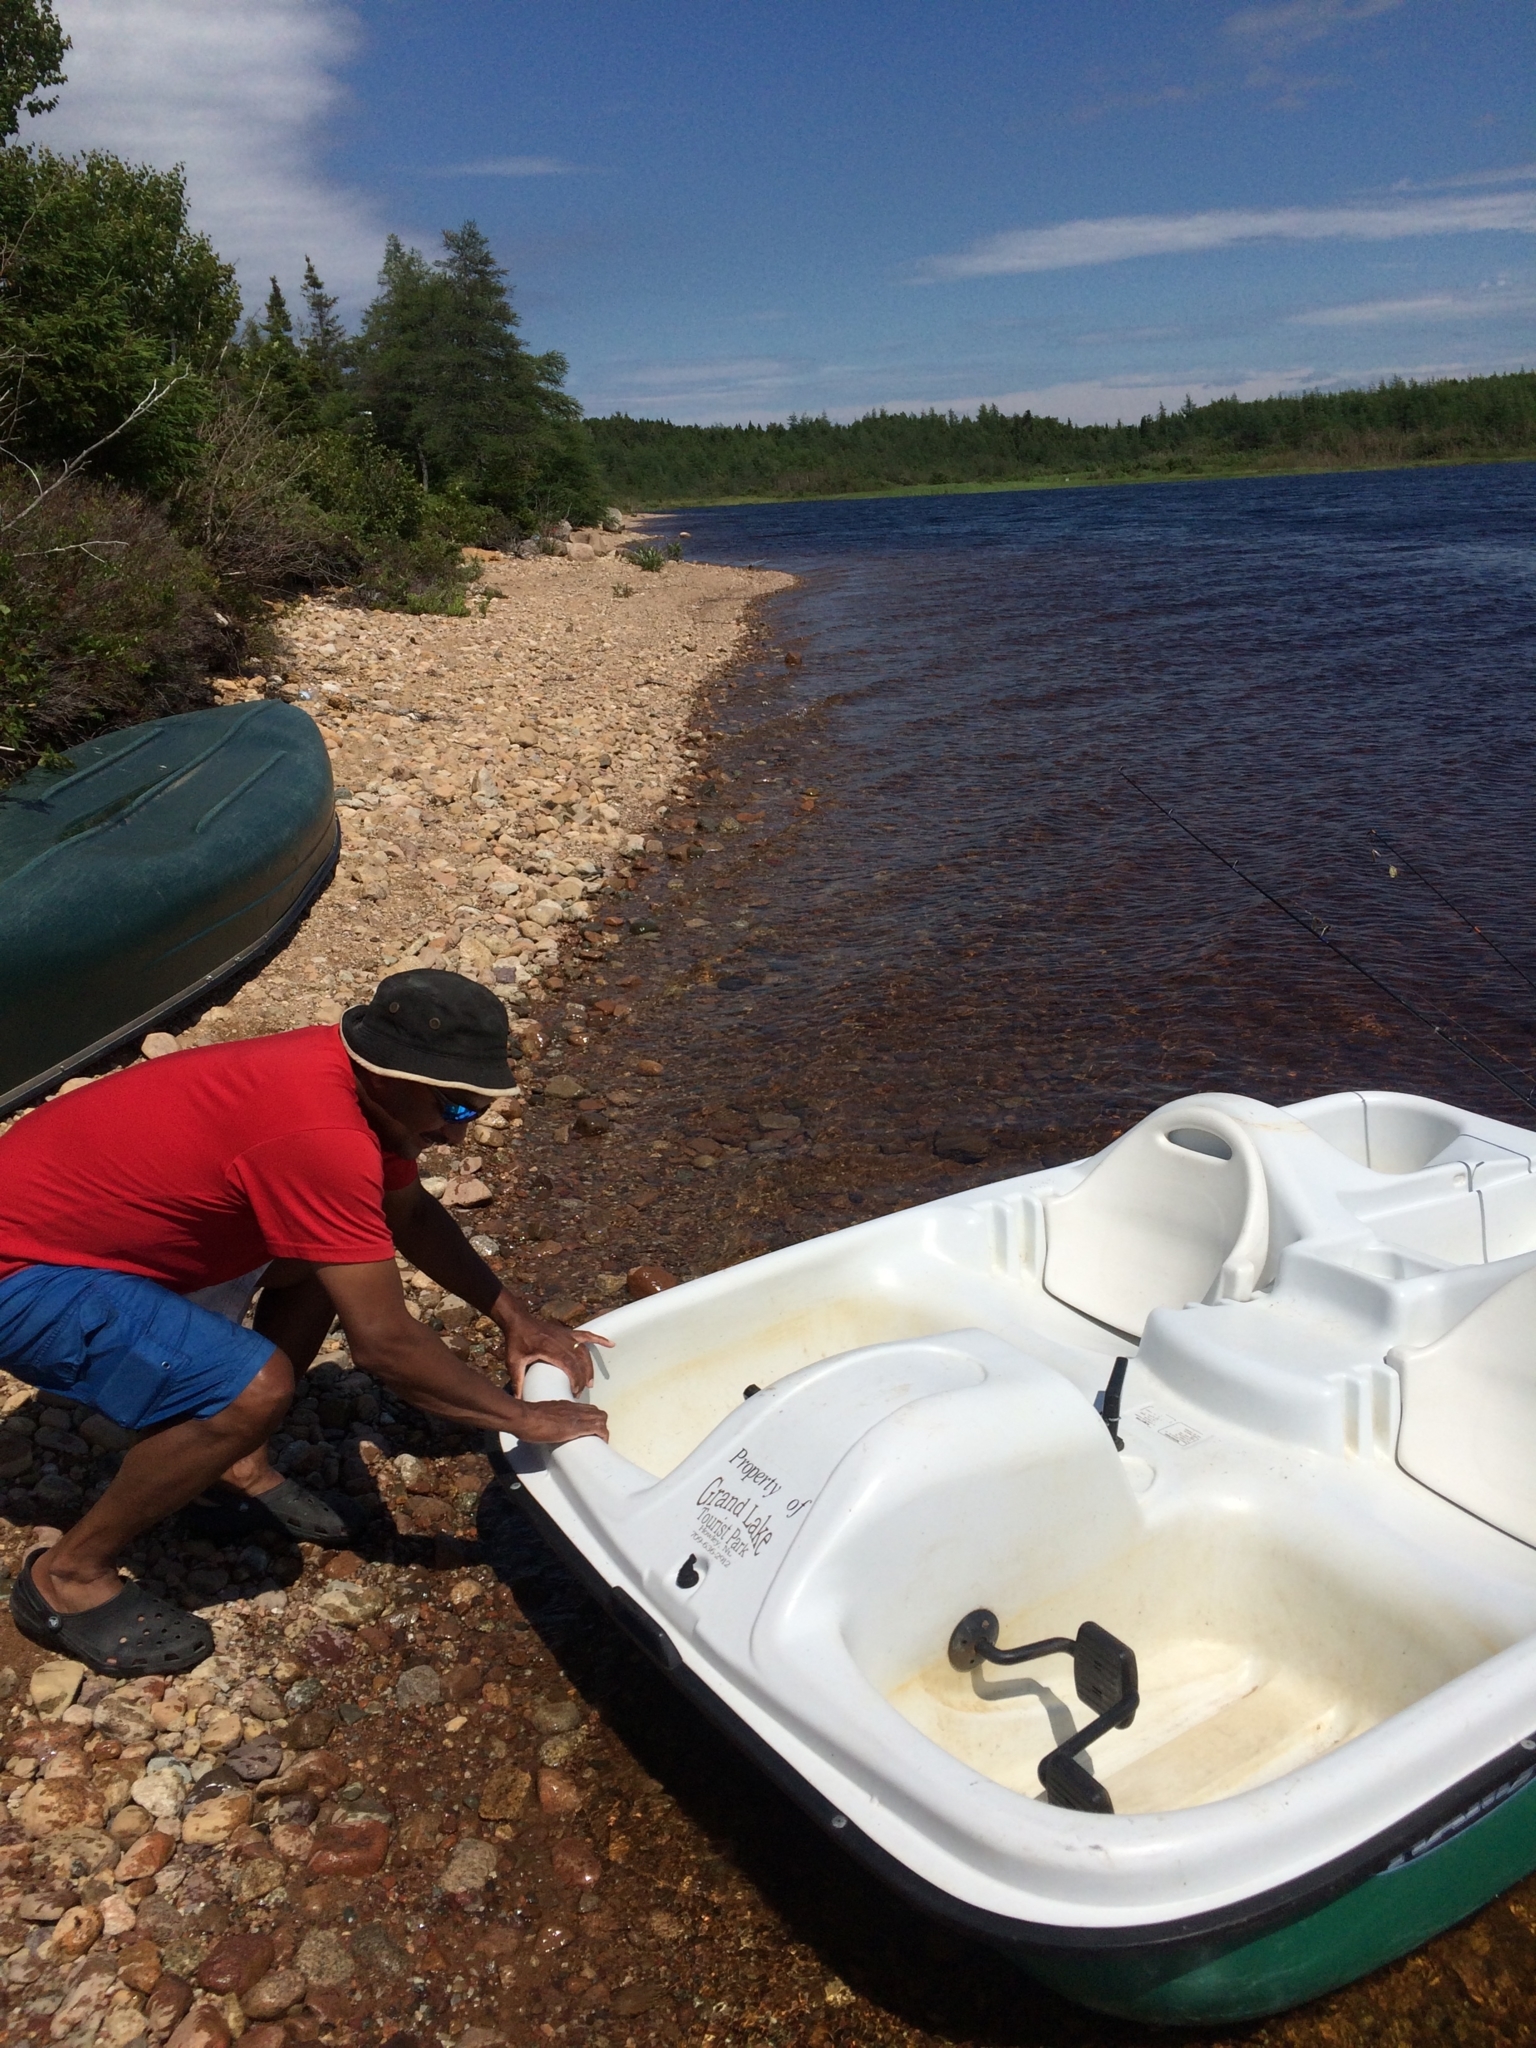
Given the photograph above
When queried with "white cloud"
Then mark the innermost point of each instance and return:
(240, 94)
(1075, 243)
(509, 167)
(1279, 30)
(1431, 306)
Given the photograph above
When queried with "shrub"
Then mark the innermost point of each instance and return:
(105, 619)
(645, 558)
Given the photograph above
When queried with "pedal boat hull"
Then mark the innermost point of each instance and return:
(1336, 1756)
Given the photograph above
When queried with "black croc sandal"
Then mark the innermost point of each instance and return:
(288, 1509)
(135, 1635)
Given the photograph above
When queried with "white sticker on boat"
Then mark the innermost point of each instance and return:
(743, 1510)
(1184, 1434)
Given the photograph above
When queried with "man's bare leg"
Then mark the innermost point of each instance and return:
(295, 1312)
(159, 1475)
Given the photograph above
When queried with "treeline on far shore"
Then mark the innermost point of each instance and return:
(1464, 419)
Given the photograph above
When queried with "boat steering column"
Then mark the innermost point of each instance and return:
(1104, 1672)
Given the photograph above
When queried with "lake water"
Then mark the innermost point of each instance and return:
(983, 921)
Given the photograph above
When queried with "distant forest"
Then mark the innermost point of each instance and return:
(653, 463)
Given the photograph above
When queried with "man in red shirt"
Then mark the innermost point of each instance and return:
(286, 1163)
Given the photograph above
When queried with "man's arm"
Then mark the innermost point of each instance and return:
(413, 1363)
(427, 1235)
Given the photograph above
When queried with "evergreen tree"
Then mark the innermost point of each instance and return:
(277, 328)
(322, 337)
(32, 47)
(452, 389)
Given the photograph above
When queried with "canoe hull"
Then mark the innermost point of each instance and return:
(1439, 1866)
(168, 857)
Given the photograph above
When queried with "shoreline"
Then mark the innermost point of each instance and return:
(1118, 480)
(423, 1798)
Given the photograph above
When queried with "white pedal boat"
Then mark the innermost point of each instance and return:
(1308, 1687)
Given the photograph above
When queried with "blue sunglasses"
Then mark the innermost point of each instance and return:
(460, 1112)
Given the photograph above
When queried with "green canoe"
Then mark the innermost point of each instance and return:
(159, 861)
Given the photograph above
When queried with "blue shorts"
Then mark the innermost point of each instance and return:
(123, 1345)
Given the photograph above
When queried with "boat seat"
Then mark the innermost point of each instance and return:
(1176, 1211)
(1469, 1409)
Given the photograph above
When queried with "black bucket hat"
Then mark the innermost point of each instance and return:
(432, 1026)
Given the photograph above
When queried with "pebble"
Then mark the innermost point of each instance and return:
(274, 1995)
(53, 1685)
(470, 1868)
(348, 1604)
(419, 1687)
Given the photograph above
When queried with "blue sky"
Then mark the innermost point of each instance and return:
(739, 211)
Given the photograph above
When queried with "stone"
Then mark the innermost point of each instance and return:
(348, 1604)
(85, 2002)
(326, 1645)
(261, 1702)
(75, 1932)
(223, 1732)
(462, 1683)
(139, 1966)
(555, 1717)
(969, 1147)
(420, 1831)
(273, 1995)
(312, 1730)
(294, 1841)
(160, 1793)
(127, 1720)
(667, 1926)
(128, 1823)
(204, 2027)
(504, 1793)
(770, 1121)
(167, 2003)
(117, 1916)
(350, 1849)
(58, 1804)
(145, 1857)
(236, 1962)
(419, 1687)
(157, 1044)
(258, 1879)
(554, 1935)
(564, 1087)
(470, 1868)
(212, 1821)
(469, 1194)
(558, 1793)
(322, 1959)
(559, 1749)
(575, 1862)
(103, 1434)
(53, 1685)
(255, 1761)
(76, 1853)
(265, 2035)
(644, 1280)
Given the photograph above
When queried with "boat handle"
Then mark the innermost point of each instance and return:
(1104, 1673)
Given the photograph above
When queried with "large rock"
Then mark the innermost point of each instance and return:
(53, 1685)
(350, 1849)
(128, 1720)
(237, 1962)
(60, 1803)
(160, 1793)
(322, 1959)
(419, 1687)
(348, 1604)
(212, 1821)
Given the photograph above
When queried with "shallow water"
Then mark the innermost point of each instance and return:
(983, 919)
(948, 911)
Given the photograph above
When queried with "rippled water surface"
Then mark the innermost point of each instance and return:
(983, 918)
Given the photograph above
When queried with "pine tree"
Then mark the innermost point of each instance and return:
(450, 386)
(322, 337)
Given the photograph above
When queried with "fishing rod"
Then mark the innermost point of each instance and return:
(1320, 930)
(1419, 876)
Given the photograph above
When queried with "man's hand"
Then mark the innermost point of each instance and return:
(529, 1338)
(386, 1342)
(557, 1422)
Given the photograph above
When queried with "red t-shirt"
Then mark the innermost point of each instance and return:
(200, 1166)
